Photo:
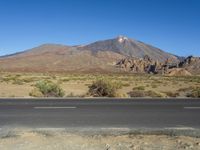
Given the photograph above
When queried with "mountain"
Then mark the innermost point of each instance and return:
(100, 56)
(128, 47)
(59, 58)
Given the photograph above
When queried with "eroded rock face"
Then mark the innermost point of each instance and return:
(145, 65)
(192, 64)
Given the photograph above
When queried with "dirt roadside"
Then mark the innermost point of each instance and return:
(32, 139)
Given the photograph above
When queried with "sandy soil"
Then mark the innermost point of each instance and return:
(52, 140)
(13, 90)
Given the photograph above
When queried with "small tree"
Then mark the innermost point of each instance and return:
(49, 89)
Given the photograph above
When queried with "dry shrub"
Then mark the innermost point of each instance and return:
(171, 94)
(104, 88)
(140, 93)
(195, 93)
(141, 88)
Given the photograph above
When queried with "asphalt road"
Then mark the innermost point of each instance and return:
(55, 113)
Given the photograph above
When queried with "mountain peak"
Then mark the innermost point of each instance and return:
(128, 47)
(122, 38)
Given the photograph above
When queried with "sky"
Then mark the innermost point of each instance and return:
(171, 25)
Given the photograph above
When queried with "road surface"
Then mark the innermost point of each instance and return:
(103, 113)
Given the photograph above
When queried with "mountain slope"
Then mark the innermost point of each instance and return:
(100, 56)
(129, 47)
(57, 58)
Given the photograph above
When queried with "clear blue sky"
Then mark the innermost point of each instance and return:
(172, 25)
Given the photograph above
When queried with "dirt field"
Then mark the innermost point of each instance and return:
(53, 140)
(76, 85)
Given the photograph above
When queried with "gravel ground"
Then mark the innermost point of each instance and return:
(57, 140)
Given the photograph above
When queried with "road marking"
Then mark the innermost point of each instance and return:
(191, 107)
(51, 129)
(115, 129)
(179, 128)
(55, 107)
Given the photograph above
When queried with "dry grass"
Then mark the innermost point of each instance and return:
(76, 85)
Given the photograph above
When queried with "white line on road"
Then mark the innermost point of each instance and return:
(179, 128)
(191, 107)
(55, 107)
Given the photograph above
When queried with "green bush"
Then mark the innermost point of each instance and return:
(103, 88)
(49, 89)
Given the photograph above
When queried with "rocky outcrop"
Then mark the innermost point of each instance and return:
(187, 67)
(145, 65)
(192, 64)
(178, 72)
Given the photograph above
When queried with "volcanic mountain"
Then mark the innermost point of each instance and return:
(130, 48)
(100, 56)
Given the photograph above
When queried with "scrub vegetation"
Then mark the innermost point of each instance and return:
(104, 88)
(95, 85)
(47, 88)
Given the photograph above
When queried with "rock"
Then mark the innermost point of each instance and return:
(178, 72)
(192, 64)
(107, 146)
(198, 143)
(142, 65)
(147, 65)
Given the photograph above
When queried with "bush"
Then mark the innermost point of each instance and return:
(48, 89)
(171, 94)
(139, 93)
(18, 82)
(125, 84)
(141, 88)
(153, 94)
(154, 86)
(195, 93)
(103, 88)
(36, 93)
(186, 89)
